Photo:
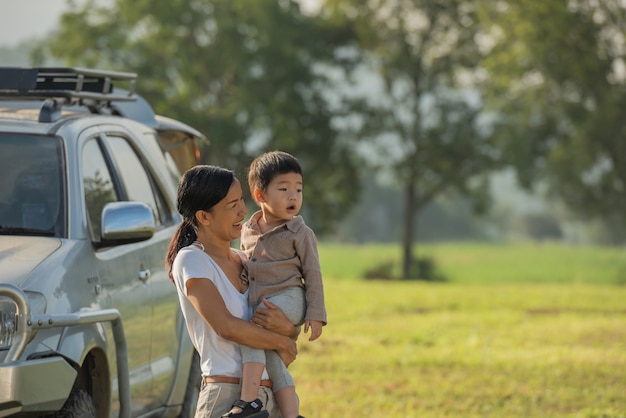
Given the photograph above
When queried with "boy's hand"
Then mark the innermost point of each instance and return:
(315, 327)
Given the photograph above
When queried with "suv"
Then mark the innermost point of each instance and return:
(89, 320)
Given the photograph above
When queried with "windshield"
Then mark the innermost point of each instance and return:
(31, 185)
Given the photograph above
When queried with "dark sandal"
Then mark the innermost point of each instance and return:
(248, 410)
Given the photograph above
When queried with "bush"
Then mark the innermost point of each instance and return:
(382, 271)
(420, 269)
(424, 268)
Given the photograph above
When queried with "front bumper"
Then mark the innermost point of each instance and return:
(40, 384)
(35, 385)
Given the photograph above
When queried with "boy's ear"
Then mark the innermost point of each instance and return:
(258, 196)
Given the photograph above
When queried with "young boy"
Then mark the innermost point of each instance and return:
(282, 266)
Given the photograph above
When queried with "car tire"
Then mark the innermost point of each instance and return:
(78, 405)
(193, 388)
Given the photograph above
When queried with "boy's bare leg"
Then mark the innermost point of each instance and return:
(250, 382)
(287, 402)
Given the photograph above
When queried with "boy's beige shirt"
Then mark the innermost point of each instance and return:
(281, 258)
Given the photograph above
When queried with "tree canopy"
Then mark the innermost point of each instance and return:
(560, 89)
(547, 77)
(245, 73)
(426, 123)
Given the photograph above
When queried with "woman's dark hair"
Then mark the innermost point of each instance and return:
(200, 188)
(267, 166)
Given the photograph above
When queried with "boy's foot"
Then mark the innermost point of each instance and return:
(247, 410)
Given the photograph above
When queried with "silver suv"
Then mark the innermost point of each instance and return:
(89, 320)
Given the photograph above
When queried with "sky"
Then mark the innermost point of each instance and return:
(27, 19)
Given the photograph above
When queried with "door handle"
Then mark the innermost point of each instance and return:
(144, 275)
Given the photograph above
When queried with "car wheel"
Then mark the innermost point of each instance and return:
(78, 405)
(193, 388)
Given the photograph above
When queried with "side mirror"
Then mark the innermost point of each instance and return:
(126, 222)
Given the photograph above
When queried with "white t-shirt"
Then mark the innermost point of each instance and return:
(219, 357)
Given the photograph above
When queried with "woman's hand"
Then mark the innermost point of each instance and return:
(289, 352)
(273, 319)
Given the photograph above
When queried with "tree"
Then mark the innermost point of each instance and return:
(558, 77)
(245, 73)
(426, 121)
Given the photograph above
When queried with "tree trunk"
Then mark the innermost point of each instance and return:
(409, 227)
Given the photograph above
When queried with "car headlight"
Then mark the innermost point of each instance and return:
(8, 322)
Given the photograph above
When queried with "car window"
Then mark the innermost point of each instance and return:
(31, 185)
(98, 184)
(137, 181)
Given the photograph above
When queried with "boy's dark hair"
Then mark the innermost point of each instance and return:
(267, 166)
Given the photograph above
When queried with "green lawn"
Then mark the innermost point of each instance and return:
(487, 263)
(547, 339)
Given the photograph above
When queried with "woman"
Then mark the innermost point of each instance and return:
(213, 295)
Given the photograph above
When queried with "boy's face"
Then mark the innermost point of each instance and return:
(283, 198)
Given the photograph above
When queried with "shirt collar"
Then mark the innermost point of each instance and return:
(293, 224)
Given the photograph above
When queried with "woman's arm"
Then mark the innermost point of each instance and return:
(207, 300)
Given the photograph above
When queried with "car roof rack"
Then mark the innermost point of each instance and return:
(83, 87)
(73, 84)
(70, 86)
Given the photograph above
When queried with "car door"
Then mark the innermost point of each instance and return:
(119, 268)
(139, 179)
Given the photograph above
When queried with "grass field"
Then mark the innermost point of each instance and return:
(515, 331)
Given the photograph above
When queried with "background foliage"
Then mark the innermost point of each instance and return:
(560, 88)
(243, 73)
(433, 96)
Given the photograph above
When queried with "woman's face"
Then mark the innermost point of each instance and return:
(227, 216)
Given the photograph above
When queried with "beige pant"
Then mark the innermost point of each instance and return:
(217, 399)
